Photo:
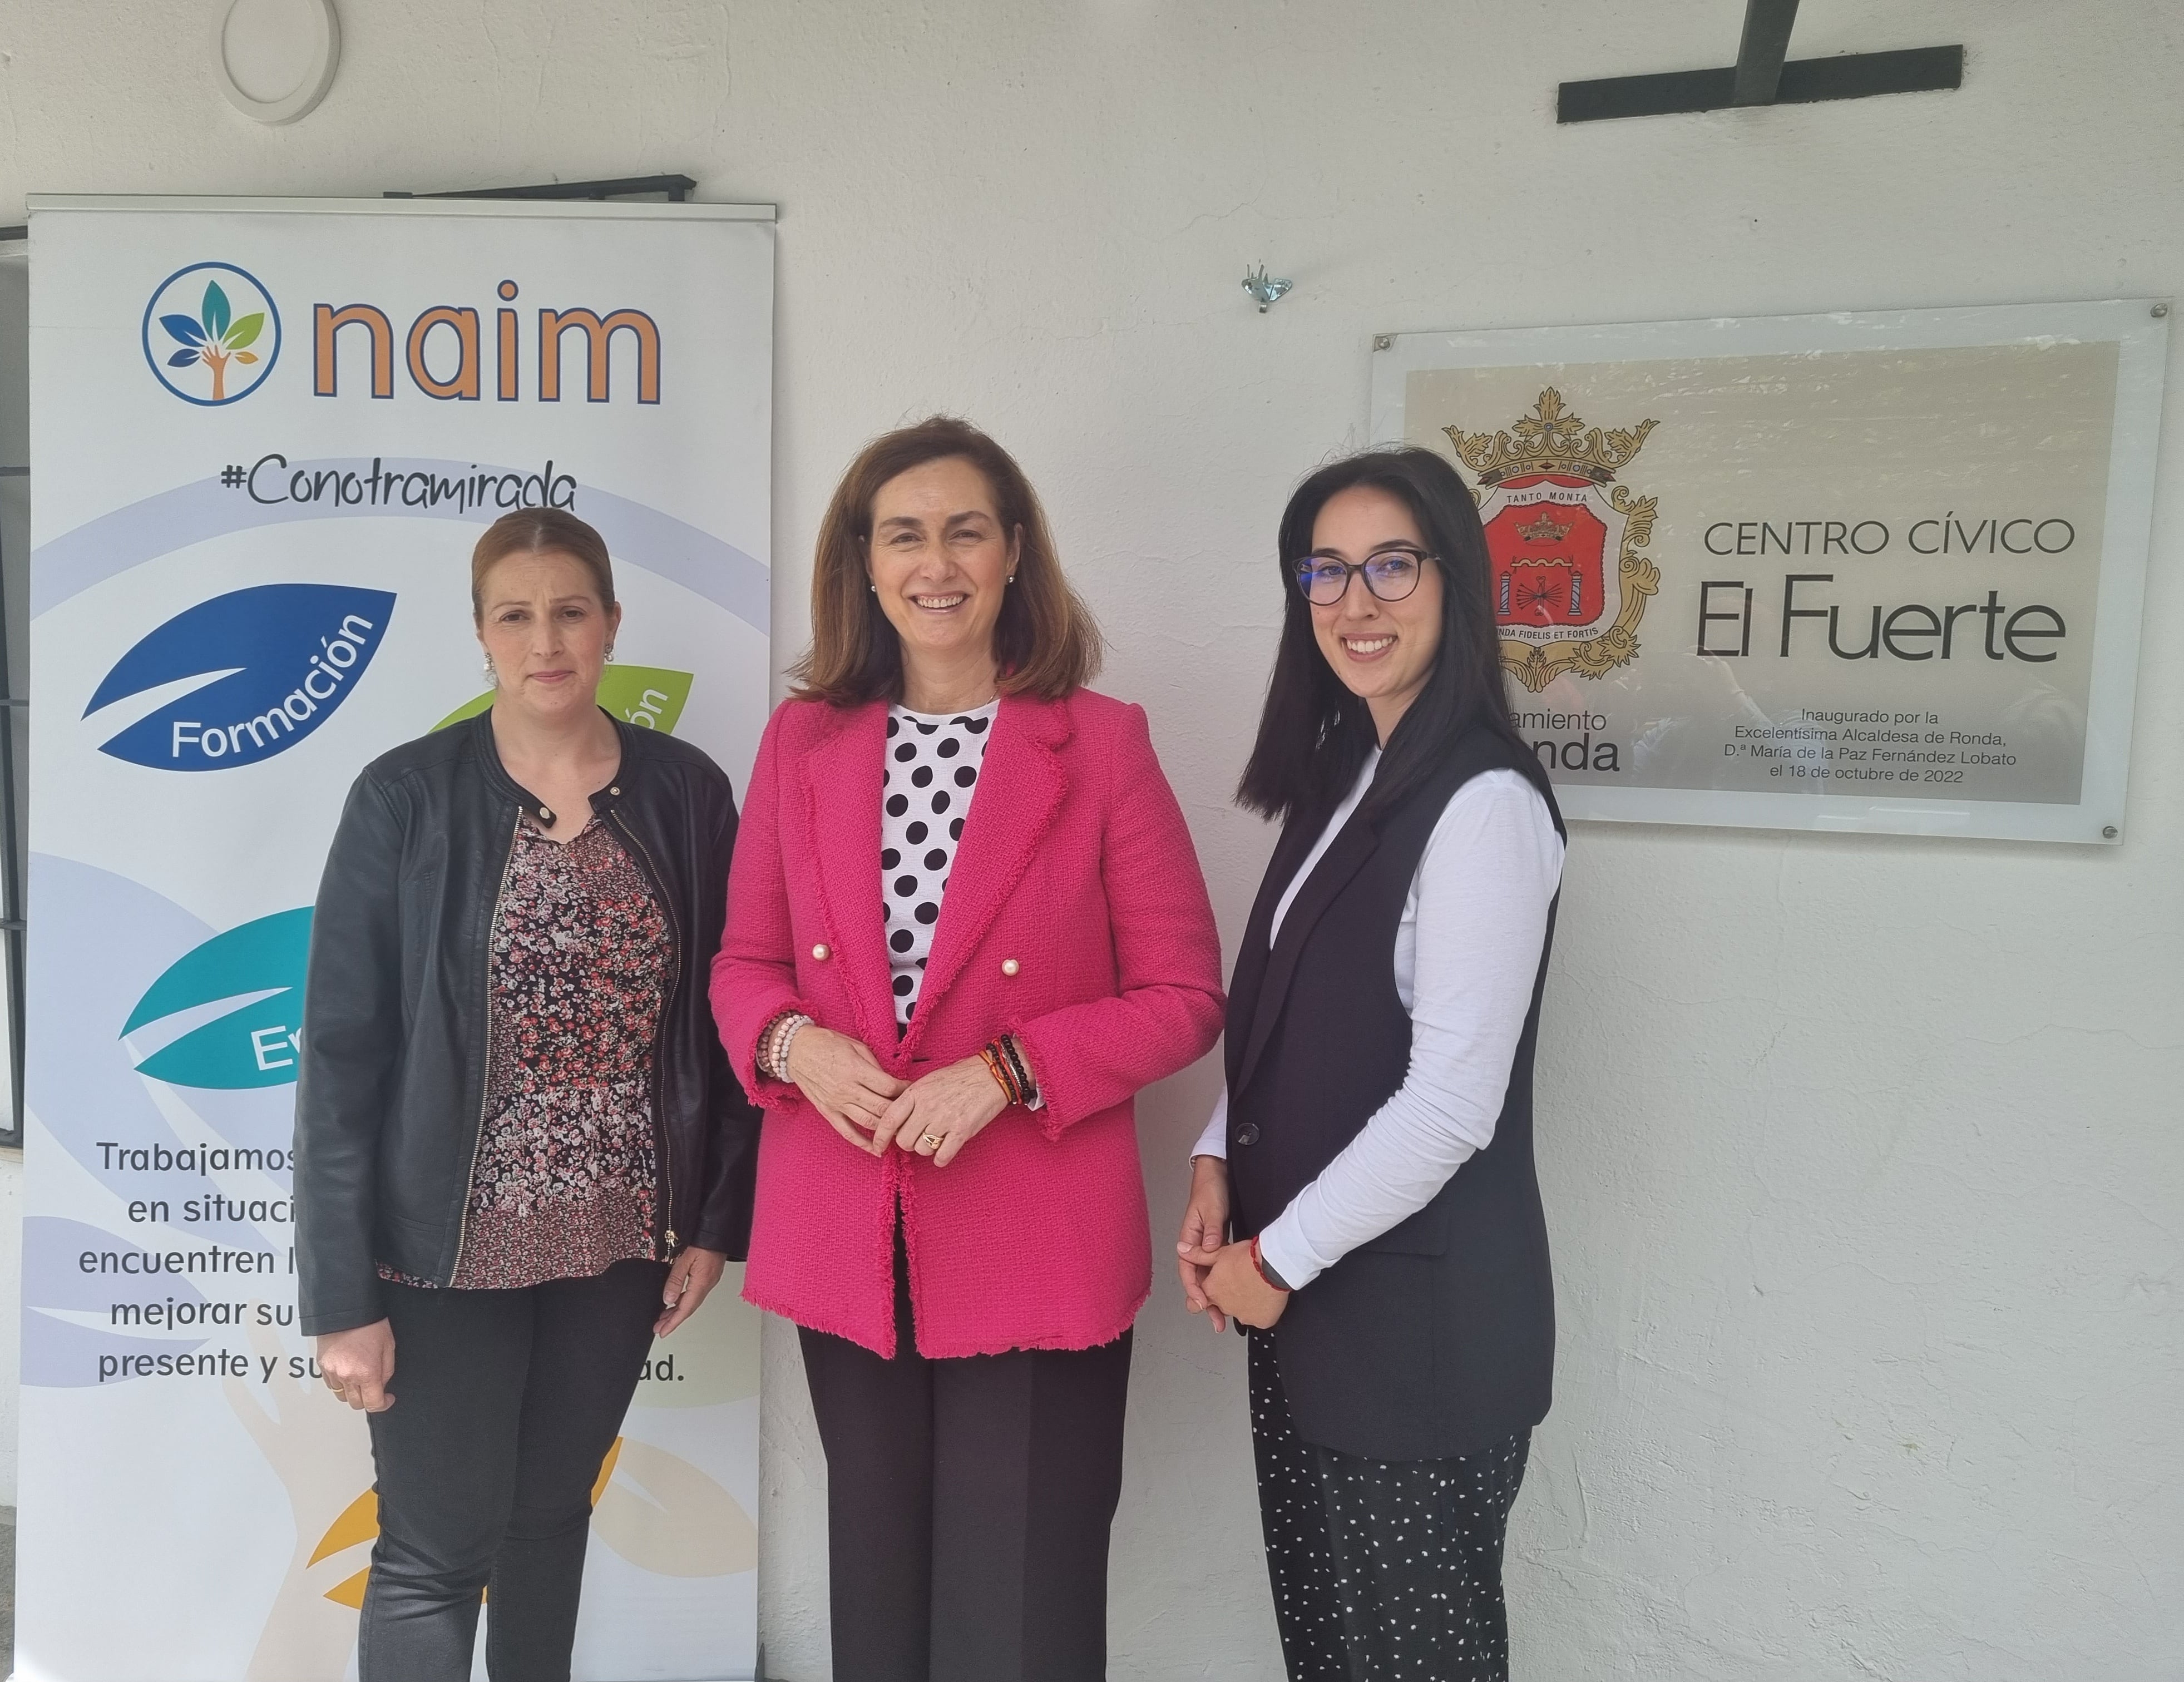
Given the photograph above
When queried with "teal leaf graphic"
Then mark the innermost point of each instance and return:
(215, 310)
(244, 331)
(183, 328)
(252, 1045)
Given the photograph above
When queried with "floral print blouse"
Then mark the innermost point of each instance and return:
(565, 1183)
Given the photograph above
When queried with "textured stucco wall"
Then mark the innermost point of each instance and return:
(1862, 1155)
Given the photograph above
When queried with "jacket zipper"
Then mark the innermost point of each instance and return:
(667, 1009)
(485, 1078)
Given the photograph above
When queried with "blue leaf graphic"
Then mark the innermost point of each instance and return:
(182, 358)
(183, 328)
(215, 310)
(285, 655)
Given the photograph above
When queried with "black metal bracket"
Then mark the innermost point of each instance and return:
(676, 188)
(15, 230)
(1763, 74)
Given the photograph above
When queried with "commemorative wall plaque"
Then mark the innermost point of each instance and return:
(1877, 572)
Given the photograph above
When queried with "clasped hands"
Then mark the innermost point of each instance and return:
(935, 1116)
(1220, 1279)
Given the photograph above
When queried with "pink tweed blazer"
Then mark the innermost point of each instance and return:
(1076, 918)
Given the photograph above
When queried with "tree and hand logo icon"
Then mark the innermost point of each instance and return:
(216, 338)
(211, 319)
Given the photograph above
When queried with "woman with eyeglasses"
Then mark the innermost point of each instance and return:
(1364, 1199)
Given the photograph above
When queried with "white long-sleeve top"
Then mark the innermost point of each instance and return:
(1467, 953)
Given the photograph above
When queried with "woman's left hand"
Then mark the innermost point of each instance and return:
(694, 1273)
(936, 1115)
(1233, 1285)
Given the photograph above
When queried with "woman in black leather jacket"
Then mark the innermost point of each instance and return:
(520, 1153)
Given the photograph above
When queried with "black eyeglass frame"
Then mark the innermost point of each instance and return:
(1303, 570)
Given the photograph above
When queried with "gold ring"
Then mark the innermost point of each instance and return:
(932, 1139)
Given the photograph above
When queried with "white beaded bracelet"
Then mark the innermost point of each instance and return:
(784, 1036)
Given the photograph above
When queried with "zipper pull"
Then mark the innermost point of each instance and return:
(670, 1242)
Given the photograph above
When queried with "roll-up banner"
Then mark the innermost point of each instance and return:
(266, 434)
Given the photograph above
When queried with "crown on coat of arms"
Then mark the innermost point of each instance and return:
(1544, 530)
(1547, 441)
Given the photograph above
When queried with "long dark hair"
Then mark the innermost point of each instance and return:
(1314, 734)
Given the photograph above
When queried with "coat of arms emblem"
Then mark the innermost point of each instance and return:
(1563, 539)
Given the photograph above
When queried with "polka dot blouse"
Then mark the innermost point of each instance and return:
(933, 762)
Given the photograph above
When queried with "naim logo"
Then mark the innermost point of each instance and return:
(211, 333)
(281, 657)
(368, 332)
(258, 969)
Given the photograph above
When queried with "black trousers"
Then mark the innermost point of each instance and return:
(506, 1402)
(968, 1503)
(1382, 1570)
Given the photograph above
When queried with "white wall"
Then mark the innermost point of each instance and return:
(1862, 1155)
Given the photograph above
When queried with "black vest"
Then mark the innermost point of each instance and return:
(1437, 1338)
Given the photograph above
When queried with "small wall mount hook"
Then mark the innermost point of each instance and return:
(1265, 289)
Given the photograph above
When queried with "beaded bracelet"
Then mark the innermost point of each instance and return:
(997, 1065)
(774, 1043)
(1014, 1053)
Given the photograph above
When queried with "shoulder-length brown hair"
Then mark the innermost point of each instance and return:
(1045, 639)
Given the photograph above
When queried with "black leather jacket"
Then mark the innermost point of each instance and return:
(390, 1093)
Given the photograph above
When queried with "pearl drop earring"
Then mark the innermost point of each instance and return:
(491, 675)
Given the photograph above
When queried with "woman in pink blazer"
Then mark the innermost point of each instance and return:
(965, 925)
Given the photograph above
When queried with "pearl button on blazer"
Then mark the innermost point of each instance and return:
(1076, 918)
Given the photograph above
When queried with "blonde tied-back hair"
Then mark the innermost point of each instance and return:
(1046, 641)
(540, 530)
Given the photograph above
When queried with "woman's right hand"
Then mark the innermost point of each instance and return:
(845, 1081)
(1205, 1227)
(357, 1364)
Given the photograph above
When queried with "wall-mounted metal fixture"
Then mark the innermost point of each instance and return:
(674, 189)
(1265, 289)
(1763, 74)
(275, 58)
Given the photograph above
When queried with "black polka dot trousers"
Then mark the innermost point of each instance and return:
(1382, 1570)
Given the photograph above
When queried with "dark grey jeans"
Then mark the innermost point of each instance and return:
(506, 1402)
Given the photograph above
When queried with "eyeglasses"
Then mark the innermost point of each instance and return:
(1390, 575)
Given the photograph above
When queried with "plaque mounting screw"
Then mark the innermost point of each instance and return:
(1265, 289)
(2160, 310)
(2109, 833)
(1384, 340)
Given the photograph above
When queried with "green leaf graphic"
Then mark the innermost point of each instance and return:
(216, 311)
(244, 331)
(650, 697)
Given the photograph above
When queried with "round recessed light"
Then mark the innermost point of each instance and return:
(276, 59)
